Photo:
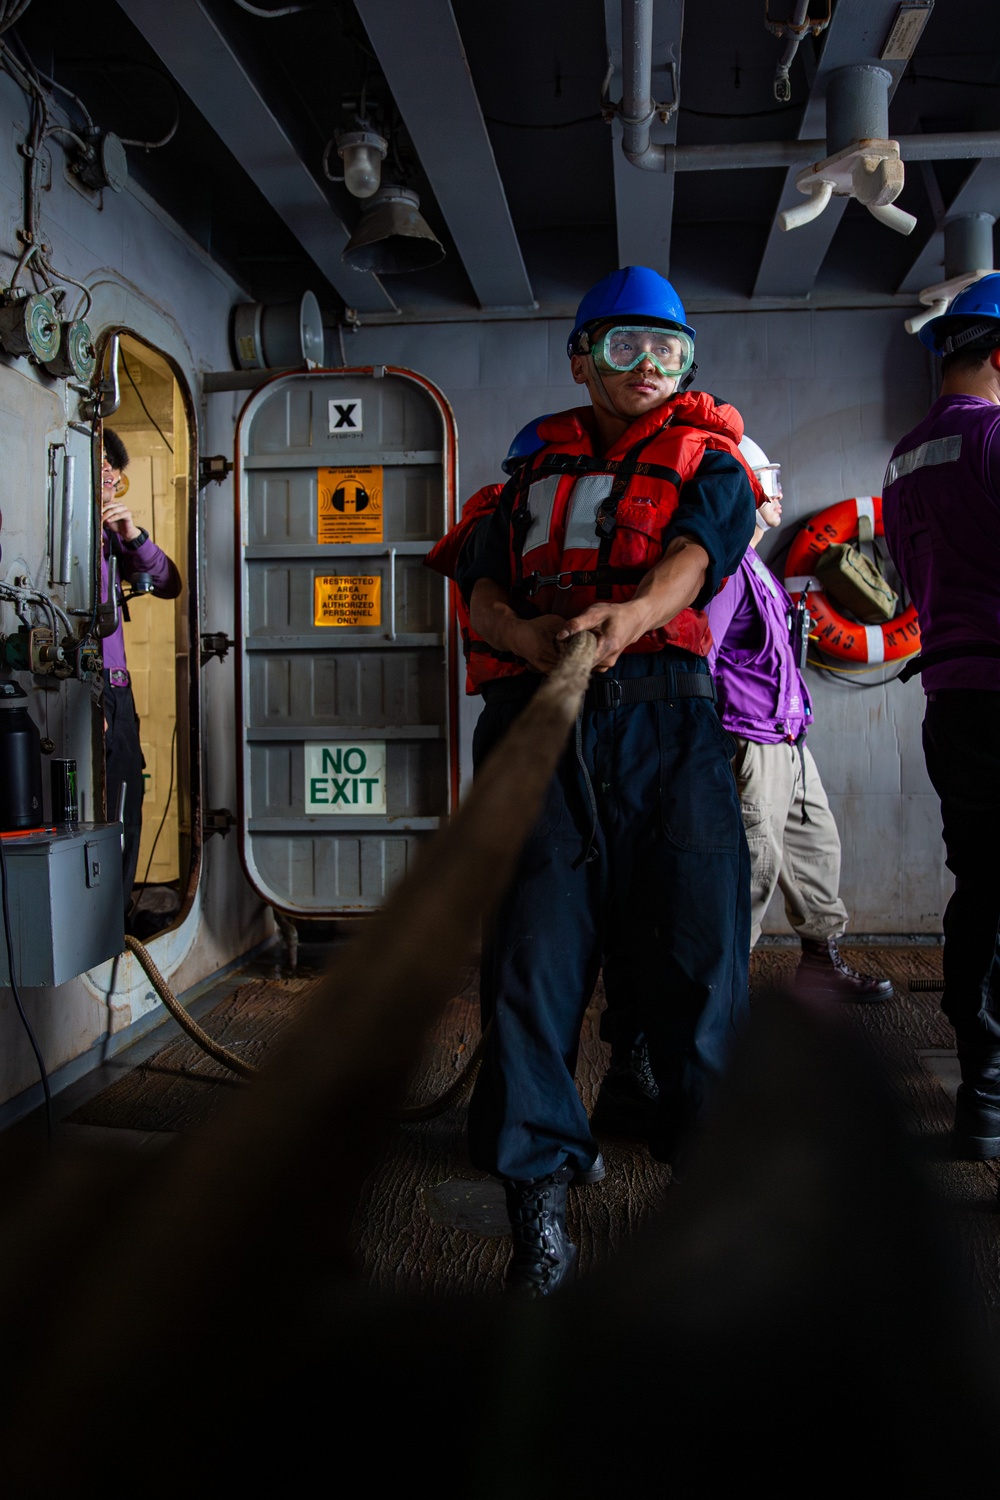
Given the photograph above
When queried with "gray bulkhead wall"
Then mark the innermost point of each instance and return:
(148, 276)
(826, 394)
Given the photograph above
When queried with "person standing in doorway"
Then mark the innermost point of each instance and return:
(134, 552)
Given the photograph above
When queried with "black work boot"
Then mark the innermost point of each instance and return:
(587, 1176)
(977, 1105)
(628, 1096)
(823, 975)
(543, 1255)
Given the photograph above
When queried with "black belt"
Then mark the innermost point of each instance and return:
(616, 692)
(575, 578)
(937, 658)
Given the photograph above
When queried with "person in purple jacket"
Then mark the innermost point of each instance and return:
(941, 512)
(764, 704)
(134, 552)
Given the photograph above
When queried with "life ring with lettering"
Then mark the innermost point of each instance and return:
(834, 634)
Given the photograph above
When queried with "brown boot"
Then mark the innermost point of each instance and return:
(823, 974)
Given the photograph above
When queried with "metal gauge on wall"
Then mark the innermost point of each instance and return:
(76, 355)
(31, 326)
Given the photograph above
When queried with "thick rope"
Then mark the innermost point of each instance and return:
(564, 687)
(187, 1023)
(409, 1115)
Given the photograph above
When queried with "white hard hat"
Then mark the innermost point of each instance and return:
(765, 470)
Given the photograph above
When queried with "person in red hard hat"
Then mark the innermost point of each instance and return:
(623, 521)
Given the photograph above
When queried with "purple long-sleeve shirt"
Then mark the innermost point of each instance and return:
(149, 558)
(941, 512)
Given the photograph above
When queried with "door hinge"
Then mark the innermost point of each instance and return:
(215, 645)
(216, 820)
(216, 466)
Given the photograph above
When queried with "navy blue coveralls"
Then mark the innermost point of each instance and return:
(662, 901)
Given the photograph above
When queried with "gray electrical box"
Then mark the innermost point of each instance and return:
(64, 891)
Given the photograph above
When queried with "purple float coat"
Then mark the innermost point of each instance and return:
(761, 693)
(149, 558)
(941, 513)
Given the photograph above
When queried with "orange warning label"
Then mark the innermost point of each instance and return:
(347, 599)
(349, 504)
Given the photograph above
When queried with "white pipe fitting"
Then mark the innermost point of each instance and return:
(893, 217)
(820, 192)
(914, 324)
(938, 298)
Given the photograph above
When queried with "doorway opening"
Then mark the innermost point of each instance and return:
(154, 421)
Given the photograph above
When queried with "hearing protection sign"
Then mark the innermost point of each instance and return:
(347, 599)
(345, 777)
(349, 504)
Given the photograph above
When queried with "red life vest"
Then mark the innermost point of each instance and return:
(482, 662)
(587, 527)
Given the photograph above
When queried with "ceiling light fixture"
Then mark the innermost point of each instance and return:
(362, 152)
(392, 236)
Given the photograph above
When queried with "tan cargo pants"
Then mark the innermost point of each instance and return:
(777, 783)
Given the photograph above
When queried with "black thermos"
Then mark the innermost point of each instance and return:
(65, 802)
(20, 762)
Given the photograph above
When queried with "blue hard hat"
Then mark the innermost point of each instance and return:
(632, 292)
(525, 443)
(978, 306)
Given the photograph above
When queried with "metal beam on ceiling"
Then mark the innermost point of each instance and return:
(420, 51)
(792, 258)
(201, 59)
(644, 201)
(979, 193)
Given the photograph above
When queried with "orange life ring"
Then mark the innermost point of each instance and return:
(834, 634)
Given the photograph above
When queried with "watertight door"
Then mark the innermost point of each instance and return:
(346, 711)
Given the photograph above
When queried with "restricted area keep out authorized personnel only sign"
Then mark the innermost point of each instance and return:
(345, 777)
(349, 504)
(347, 599)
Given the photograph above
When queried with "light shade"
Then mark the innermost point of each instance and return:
(392, 237)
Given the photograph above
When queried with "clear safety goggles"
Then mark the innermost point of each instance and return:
(669, 350)
(770, 480)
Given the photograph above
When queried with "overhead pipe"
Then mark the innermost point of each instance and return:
(857, 106)
(958, 146)
(637, 109)
(859, 101)
(862, 162)
(245, 380)
(968, 245)
(795, 30)
(968, 256)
